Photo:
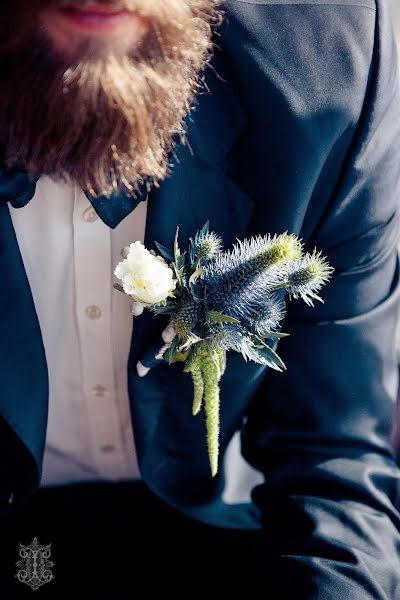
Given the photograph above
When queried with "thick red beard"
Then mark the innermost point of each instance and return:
(106, 121)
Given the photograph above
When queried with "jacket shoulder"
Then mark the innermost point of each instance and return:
(315, 79)
(313, 55)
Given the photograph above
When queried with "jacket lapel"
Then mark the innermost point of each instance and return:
(23, 370)
(200, 186)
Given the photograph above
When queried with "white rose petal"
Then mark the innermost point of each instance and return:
(137, 309)
(145, 277)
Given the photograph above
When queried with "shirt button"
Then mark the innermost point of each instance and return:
(89, 215)
(107, 448)
(93, 312)
(99, 391)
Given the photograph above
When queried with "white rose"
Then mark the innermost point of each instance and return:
(145, 277)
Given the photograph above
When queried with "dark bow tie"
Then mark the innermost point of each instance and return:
(18, 190)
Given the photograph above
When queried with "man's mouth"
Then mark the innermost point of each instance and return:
(95, 18)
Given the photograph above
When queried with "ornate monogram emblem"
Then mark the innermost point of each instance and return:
(35, 565)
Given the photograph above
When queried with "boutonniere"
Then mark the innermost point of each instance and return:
(218, 301)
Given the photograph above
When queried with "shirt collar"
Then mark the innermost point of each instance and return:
(17, 189)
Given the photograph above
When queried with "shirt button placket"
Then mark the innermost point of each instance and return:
(94, 282)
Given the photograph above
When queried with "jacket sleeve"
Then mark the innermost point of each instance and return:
(321, 432)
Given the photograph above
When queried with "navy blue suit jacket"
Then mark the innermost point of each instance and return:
(299, 131)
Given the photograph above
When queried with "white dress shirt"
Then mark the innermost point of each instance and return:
(69, 256)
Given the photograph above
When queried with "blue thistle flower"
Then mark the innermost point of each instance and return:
(260, 253)
(235, 337)
(238, 281)
(308, 276)
(240, 302)
(226, 337)
(186, 317)
(269, 318)
(205, 246)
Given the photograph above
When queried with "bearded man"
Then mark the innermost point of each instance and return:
(121, 120)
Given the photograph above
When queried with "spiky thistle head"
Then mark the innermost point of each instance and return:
(186, 318)
(283, 248)
(258, 253)
(206, 245)
(226, 337)
(308, 276)
(269, 317)
(237, 282)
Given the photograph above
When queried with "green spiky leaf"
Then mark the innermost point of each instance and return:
(217, 317)
(172, 350)
(277, 335)
(173, 354)
(177, 251)
(165, 252)
(271, 357)
(206, 229)
(194, 276)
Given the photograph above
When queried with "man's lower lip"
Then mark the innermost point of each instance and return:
(93, 21)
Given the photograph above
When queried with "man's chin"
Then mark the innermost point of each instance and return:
(72, 32)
